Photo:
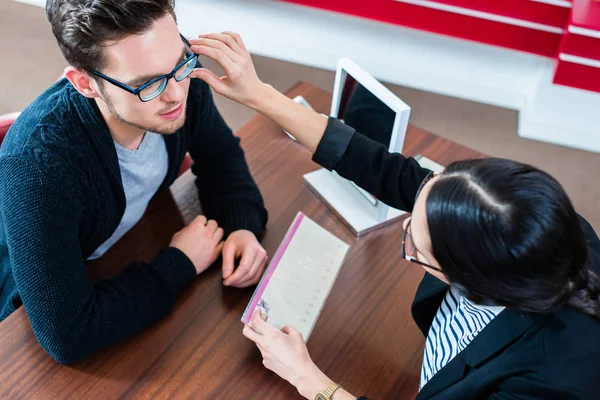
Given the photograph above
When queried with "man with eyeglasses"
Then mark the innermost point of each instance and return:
(81, 164)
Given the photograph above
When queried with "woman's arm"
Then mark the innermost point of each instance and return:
(391, 177)
(243, 85)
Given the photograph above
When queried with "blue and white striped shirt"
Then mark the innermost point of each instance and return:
(457, 322)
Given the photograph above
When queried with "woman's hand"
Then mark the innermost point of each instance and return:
(241, 83)
(284, 352)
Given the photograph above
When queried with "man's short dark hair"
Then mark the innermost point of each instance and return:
(82, 27)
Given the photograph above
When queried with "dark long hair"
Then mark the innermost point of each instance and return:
(507, 233)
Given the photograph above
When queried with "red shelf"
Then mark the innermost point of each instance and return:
(577, 76)
(586, 14)
(446, 23)
(543, 37)
(526, 10)
(581, 46)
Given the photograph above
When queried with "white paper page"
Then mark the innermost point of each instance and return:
(299, 278)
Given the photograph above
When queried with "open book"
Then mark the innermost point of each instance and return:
(299, 278)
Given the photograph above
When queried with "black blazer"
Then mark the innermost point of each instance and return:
(519, 355)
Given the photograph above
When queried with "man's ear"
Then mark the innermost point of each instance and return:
(82, 82)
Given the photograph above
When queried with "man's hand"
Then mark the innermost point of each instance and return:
(201, 241)
(243, 244)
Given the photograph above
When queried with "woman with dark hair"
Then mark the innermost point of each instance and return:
(510, 303)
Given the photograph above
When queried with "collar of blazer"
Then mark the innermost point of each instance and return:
(505, 329)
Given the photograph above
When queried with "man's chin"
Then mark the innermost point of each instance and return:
(170, 127)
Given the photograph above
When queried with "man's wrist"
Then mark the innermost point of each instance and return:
(243, 231)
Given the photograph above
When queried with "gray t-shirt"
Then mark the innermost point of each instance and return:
(142, 171)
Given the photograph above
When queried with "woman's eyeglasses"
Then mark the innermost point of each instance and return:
(409, 251)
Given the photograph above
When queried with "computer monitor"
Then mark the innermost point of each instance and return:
(370, 108)
(365, 112)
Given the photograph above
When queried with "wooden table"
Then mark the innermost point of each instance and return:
(365, 338)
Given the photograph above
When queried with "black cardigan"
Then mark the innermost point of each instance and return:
(61, 196)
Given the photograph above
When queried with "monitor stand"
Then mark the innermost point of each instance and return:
(348, 204)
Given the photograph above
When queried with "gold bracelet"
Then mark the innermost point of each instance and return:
(328, 392)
